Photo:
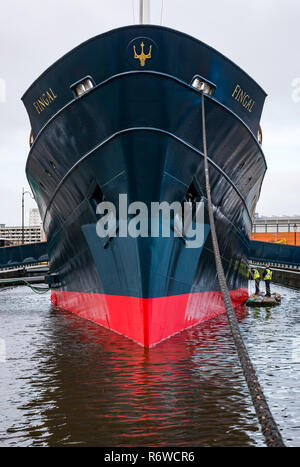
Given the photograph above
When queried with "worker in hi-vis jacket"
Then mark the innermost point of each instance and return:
(254, 274)
(267, 277)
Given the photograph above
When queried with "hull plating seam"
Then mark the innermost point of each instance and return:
(128, 130)
(135, 72)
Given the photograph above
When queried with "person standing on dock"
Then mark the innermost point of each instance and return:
(267, 277)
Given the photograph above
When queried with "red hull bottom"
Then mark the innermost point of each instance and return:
(147, 321)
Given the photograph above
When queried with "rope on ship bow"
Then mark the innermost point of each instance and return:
(269, 427)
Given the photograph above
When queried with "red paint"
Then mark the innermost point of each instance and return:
(147, 321)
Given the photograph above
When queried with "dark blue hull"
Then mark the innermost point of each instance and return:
(139, 133)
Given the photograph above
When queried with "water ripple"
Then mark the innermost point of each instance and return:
(67, 381)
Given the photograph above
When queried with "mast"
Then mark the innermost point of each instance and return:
(144, 11)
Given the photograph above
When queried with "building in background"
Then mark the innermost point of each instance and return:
(4, 242)
(34, 217)
(33, 233)
(275, 229)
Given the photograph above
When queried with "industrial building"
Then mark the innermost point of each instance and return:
(283, 229)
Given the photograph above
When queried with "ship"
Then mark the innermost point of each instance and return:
(120, 115)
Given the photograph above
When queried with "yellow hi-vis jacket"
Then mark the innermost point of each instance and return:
(268, 276)
(256, 274)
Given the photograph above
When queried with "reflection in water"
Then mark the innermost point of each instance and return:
(67, 381)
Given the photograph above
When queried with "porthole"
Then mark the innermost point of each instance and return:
(202, 85)
(83, 86)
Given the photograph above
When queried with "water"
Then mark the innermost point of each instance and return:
(65, 381)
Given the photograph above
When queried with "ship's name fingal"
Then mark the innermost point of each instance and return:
(243, 98)
(44, 100)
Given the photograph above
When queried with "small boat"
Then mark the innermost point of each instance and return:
(263, 300)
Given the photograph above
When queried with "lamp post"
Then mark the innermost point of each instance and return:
(23, 194)
(295, 230)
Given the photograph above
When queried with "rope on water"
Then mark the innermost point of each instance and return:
(268, 425)
(38, 290)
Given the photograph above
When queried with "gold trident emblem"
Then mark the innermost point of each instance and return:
(142, 57)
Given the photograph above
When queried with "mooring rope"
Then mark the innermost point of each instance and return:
(268, 425)
(38, 290)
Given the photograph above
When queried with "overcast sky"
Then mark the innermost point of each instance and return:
(261, 36)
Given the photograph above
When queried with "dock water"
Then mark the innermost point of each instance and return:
(68, 382)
